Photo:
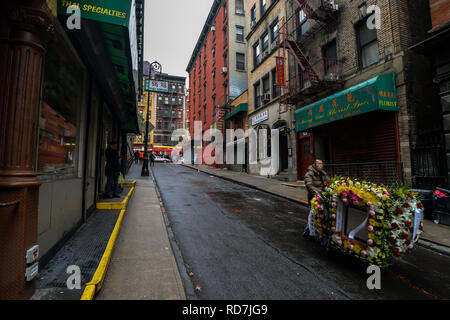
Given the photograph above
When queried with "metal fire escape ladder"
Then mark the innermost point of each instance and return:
(311, 8)
(303, 62)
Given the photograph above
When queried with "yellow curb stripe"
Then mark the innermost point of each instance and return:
(116, 205)
(96, 283)
(88, 293)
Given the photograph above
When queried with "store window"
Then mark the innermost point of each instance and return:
(62, 96)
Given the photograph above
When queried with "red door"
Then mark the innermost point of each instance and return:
(305, 157)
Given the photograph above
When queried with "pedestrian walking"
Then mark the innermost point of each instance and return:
(112, 170)
(141, 157)
(136, 156)
(152, 158)
(315, 179)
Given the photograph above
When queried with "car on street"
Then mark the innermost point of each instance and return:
(161, 159)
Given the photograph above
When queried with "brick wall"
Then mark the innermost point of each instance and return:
(440, 12)
(204, 63)
(403, 23)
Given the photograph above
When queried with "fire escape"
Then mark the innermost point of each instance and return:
(314, 73)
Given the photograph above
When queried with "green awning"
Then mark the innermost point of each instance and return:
(243, 107)
(378, 93)
(115, 12)
(118, 23)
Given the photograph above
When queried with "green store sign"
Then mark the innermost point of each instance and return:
(109, 11)
(378, 93)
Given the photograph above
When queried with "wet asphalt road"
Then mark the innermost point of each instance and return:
(241, 243)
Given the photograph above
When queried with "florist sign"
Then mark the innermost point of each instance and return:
(378, 93)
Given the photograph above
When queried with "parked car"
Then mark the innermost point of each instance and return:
(161, 159)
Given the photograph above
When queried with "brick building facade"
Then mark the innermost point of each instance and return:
(334, 57)
(217, 68)
(265, 111)
(169, 108)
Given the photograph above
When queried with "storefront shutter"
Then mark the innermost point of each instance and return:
(365, 147)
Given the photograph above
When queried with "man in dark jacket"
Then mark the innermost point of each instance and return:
(315, 179)
(112, 170)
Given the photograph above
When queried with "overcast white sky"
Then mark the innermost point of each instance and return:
(172, 28)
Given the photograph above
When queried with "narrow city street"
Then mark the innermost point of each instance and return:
(241, 243)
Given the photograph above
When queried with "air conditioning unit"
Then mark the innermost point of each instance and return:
(224, 70)
(252, 23)
(213, 28)
(266, 97)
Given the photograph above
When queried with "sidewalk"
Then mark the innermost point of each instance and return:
(142, 265)
(126, 239)
(435, 236)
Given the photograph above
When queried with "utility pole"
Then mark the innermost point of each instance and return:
(154, 66)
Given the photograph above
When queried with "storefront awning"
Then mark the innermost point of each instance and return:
(243, 107)
(378, 93)
(119, 26)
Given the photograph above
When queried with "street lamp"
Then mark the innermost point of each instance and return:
(154, 66)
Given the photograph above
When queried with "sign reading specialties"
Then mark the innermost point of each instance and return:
(111, 11)
(260, 117)
(159, 86)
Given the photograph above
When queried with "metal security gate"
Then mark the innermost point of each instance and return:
(386, 173)
(428, 160)
(365, 147)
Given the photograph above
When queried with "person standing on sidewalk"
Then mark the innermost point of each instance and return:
(112, 170)
(315, 179)
(136, 156)
(152, 159)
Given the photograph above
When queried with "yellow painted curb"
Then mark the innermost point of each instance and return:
(129, 184)
(116, 205)
(96, 283)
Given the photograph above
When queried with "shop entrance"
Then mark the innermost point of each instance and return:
(283, 144)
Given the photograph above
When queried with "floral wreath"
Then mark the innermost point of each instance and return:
(393, 222)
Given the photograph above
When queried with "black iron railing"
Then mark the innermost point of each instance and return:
(429, 161)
